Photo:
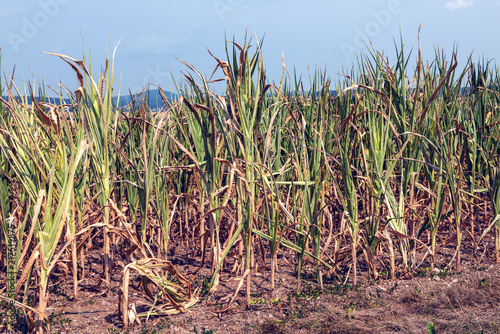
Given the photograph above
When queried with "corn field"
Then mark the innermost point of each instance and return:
(377, 170)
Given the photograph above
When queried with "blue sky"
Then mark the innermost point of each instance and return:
(313, 34)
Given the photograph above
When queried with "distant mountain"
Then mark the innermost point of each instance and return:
(52, 100)
(155, 102)
(152, 97)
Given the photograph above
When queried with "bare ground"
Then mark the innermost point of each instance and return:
(455, 302)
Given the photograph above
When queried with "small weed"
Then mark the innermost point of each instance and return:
(257, 301)
(393, 287)
(383, 274)
(156, 328)
(444, 273)
(274, 301)
(56, 320)
(204, 284)
(203, 331)
(374, 300)
(423, 272)
(430, 328)
(310, 292)
(475, 268)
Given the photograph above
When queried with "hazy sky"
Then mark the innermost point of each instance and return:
(311, 34)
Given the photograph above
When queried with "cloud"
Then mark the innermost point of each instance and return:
(458, 4)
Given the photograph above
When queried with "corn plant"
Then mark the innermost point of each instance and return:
(394, 162)
(96, 109)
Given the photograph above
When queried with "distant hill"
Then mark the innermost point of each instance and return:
(153, 98)
(53, 100)
(155, 102)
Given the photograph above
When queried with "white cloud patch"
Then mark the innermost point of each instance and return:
(458, 4)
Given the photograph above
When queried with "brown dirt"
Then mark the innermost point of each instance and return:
(463, 302)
